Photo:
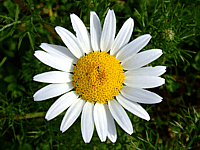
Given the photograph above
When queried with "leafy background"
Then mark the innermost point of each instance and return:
(175, 28)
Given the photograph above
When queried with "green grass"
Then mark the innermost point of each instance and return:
(175, 28)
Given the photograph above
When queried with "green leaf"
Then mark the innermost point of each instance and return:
(10, 78)
(26, 146)
(31, 40)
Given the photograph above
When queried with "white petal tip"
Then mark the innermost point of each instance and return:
(86, 141)
(47, 118)
(35, 99)
(41, 45)
(160, 99)
(159, 51)
(130, 130)
(57, 28)
(147, 118)
(103, 140)
(130, 133)
(148, 35)
(157, 101)
(34, 53)
(34, 78)
(113, 141)
(131, 20)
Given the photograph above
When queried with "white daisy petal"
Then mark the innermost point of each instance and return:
(120, 116)
(144, 81)
(59, 51)
(95, 31)
(146, 71)
(133, 107)
(87, 122)
(141, 59)
(100, 120)
(140, 95)
(61, 104)
(52, 90)
(81, 33)
(53, 77)
(70, 41)
(112, 133)
(133, 47)
(108, 33)
(123, 36)
(72, 114)
(54, 62)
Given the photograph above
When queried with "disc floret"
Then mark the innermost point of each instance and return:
(98, 77)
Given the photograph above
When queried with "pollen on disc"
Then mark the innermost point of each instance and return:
(98, 77)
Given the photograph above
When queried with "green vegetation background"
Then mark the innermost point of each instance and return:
(175, 28)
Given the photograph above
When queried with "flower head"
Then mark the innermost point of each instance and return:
(99, 76)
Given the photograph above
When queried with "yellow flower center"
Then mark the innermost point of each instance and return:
(98, 77)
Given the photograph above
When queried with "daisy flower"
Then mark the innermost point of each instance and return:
(99, 75)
